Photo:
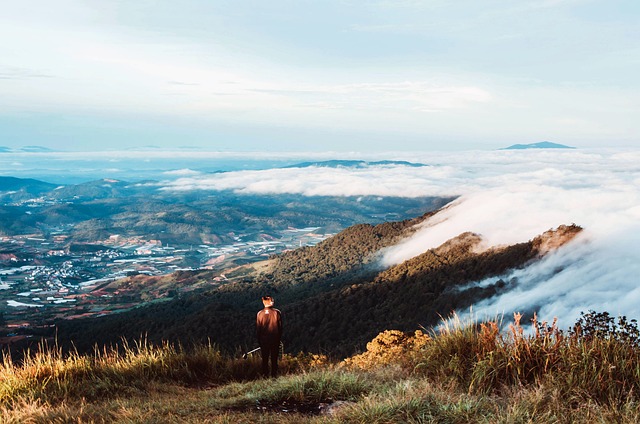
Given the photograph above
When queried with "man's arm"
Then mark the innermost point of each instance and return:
(258, 326)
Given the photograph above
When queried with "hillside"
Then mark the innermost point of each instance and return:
(23, 188)
(334, 296)
(220, 313)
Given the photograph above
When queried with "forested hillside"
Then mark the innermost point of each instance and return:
(226, 313)
(418, 292)
(334, 296)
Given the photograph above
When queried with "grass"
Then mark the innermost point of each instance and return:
(463, 373)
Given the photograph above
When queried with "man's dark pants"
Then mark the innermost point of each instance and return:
(270, 351)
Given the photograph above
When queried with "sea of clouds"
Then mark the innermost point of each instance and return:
(507, 197)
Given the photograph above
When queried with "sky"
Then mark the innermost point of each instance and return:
(299, 75)
(506, 197)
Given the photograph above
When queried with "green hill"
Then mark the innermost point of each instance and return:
(23, 188)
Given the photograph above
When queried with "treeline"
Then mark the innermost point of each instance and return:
(344, 257)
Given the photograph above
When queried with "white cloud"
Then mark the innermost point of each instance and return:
(103, 69)
(507, 196)
(181, 172)
(319, 181)
(592, 273)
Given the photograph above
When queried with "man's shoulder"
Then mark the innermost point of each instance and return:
(267, 311)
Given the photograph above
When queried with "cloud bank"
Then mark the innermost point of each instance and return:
(507, 197)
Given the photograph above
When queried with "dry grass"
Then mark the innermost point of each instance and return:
(463, 373)
(48, 375)
(479, 358)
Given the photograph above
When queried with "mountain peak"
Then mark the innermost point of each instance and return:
(540, 145)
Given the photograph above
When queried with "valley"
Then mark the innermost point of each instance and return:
(42, 281)
(64, 251)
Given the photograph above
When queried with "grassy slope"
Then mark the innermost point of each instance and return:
(466, 373)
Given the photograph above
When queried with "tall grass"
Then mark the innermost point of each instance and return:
(49, 375)
(461, 372)
(481, 358)
(486, 372)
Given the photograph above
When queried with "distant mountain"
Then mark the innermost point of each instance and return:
(353, 164)
(35, 149)
(148, 147)
(540, 145)
(28, 149)
(24, 185)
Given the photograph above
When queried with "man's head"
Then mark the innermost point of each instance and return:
(267, 301)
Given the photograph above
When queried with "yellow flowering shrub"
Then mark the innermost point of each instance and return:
(389, 347)
(303, 362)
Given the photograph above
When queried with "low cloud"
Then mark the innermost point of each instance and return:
(594, 272)
(507, 197)
(318, 181)
(181, 172)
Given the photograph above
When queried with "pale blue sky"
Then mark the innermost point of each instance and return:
(319, 75)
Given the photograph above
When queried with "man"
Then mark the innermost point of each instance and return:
(269, 330)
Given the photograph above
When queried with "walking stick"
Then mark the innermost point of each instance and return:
(250, 352)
